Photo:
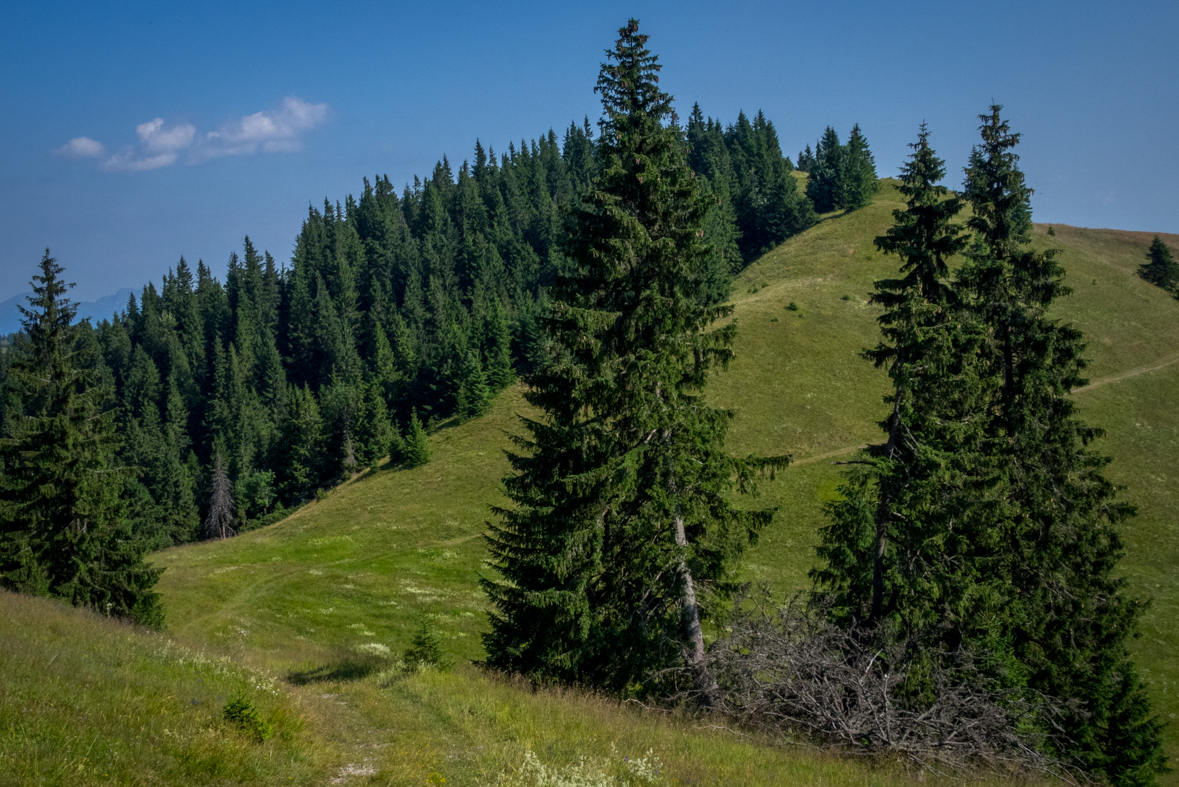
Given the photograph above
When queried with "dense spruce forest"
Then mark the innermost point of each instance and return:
(396, 312)
(968, 607)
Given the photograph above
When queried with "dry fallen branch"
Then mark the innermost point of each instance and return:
(788, 668)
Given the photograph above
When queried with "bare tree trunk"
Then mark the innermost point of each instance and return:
(689, 609)
(690, 615)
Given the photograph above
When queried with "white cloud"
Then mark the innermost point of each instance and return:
(275, 131)
(81, 147)
(269, 132)
(157, 139)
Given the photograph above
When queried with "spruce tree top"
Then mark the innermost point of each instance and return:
(638, 239)
(49, 318)
(923, 235)
(995, 187)
(631, 98)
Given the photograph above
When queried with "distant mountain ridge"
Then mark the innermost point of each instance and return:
(101, 309)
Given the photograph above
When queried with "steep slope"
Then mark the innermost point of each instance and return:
(332, 594)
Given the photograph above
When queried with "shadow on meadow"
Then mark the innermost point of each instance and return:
(345, 668)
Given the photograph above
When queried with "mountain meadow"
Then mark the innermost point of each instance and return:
(318, 488)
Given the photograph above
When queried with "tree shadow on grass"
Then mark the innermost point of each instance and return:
(353, 666)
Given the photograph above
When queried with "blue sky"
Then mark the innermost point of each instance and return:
(135, 134)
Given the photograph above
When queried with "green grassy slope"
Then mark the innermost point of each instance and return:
(86, 700)
(329, 596)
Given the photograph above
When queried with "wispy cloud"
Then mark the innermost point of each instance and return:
(162, 144)
(81, 147)
(158, 147)
(269, 132)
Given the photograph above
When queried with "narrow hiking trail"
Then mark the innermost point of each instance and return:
(1125, 375)
(1095, 384)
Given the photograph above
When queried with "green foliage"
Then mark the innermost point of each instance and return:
(241, 713)
(65, 530)
(414, 542)
(1054, 518)
(473, 393)
(396, 291)
(373, 430)
(416, 446)
(806, 160)
(300, 445)
(620, 510)
(1160, 267)
(754, 203)
(824, 184)
(985, 520)
(255, 495)
(841, 176)
(426, 650)
(893, 523)
(859, 175)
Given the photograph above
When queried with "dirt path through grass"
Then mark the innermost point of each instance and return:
(1124, 375)
(1095, 384)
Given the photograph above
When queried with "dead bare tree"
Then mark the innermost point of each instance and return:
(221, 503)
(786, 667)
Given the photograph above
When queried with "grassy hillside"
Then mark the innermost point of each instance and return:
(86, 700)
(330, 596)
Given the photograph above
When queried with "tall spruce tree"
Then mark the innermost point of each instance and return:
(827, 173)
(892, 530)
(65, 530)
(622, 535)
(1054, 544)
(859, 172)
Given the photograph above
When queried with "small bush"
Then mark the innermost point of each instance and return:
(241, 713)
(417, 447)
(426, 650)
(845, 297)
(792, 306)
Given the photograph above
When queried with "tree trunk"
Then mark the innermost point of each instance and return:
(690, 615)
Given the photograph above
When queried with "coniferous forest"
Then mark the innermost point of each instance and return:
(968, 580)
(395, 307)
